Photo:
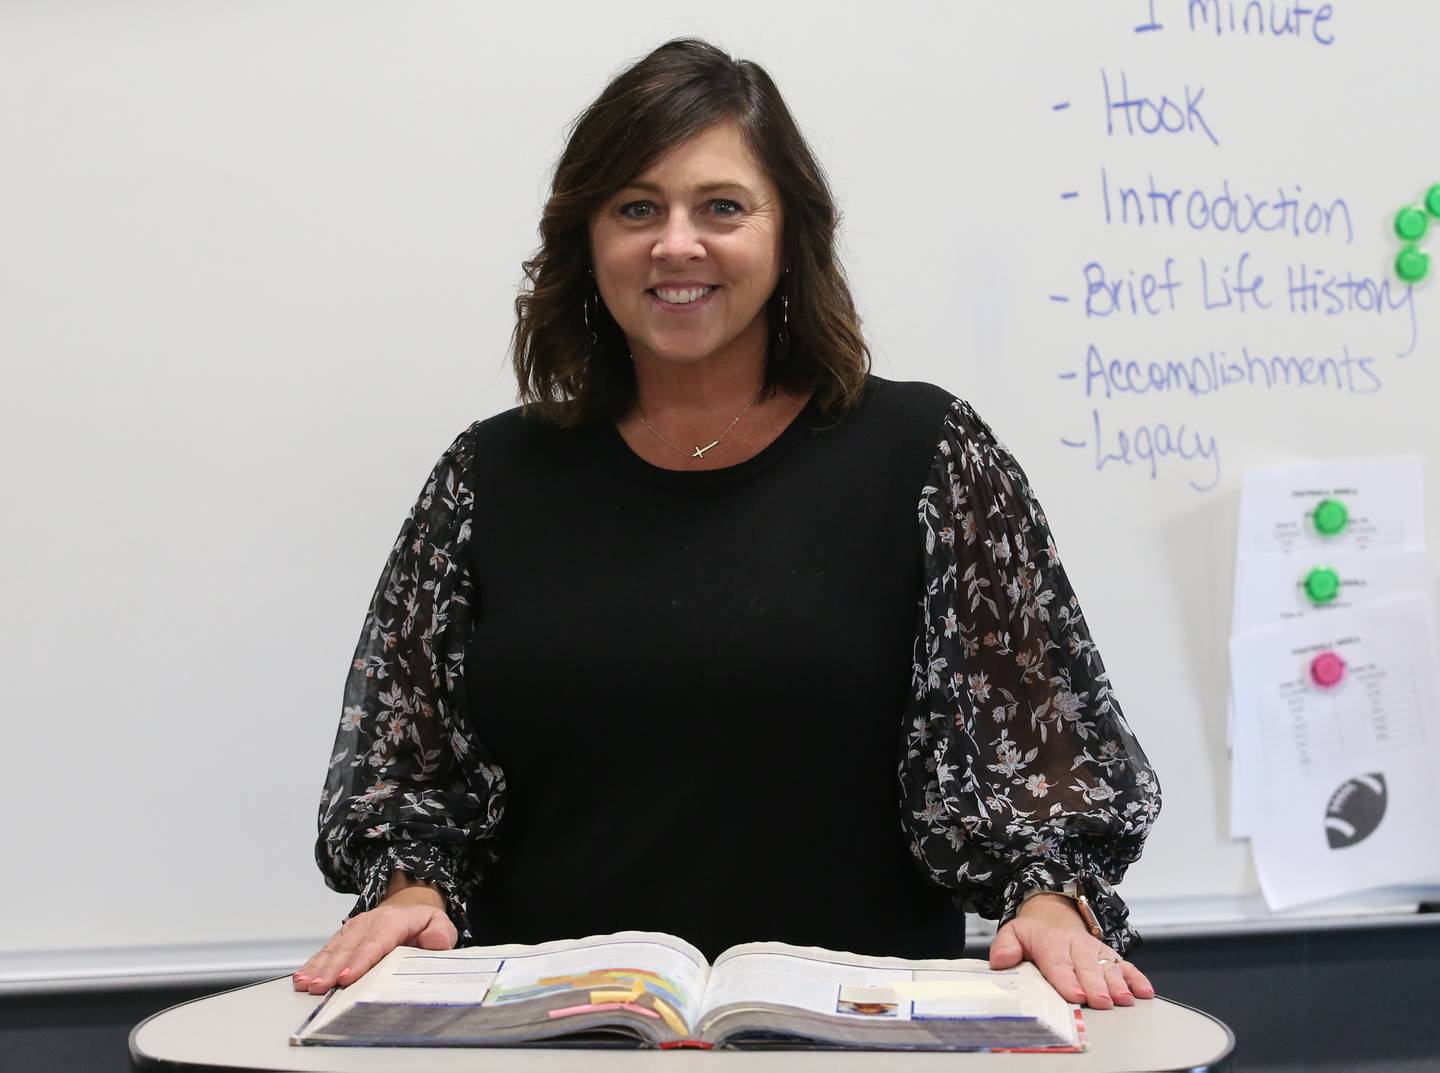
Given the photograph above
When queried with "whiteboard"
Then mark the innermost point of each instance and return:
(256, 271)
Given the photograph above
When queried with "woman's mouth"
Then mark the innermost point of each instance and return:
(679, 298)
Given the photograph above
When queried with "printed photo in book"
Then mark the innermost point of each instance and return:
(647, 989)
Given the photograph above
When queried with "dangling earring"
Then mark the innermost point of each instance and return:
(592, 296)
(781, 348)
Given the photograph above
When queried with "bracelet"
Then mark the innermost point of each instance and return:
(1072, 890)
(1087, 914)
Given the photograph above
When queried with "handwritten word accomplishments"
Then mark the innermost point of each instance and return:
(1220, 285)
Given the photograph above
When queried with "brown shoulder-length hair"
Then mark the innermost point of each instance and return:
(679, 90)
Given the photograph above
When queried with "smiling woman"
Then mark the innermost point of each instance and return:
(684, 271)
(649, 648)
(686, 169)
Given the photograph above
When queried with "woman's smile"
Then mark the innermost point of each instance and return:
(682, 298)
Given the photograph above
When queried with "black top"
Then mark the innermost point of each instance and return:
(593, 694)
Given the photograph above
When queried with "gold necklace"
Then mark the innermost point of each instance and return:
(699, 451)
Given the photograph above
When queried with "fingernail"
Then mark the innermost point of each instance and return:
(344, 972)
(303, 977)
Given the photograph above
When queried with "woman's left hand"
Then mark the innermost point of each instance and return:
(1048, 931)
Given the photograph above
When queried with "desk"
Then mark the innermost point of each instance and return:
(249, 1029)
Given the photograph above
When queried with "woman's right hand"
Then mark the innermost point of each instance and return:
(412, 915)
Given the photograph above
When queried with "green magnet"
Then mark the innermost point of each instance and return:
(1412, 265)
(1322, 585)
(1411, 223)
(1330, 516)
(1432, 200)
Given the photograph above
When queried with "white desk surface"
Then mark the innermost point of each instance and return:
(249, 1029)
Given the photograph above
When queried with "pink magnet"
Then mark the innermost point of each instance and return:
(1327, 669)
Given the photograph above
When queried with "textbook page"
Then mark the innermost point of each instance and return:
(663, 975)
(598, 969)
(879, 990)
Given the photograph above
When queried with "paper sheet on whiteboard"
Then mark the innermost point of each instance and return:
(1343, 776)
(1383, 496)
(1379, 555)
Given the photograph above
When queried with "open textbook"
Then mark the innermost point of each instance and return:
(648, 989)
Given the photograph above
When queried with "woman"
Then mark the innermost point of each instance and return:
(647, 650)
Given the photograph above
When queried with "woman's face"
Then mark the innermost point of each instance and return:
(686, 255)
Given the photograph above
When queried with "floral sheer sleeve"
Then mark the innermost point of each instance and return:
(1018, 770)
(409, 787)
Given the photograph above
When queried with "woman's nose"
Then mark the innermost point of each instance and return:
(679, 240)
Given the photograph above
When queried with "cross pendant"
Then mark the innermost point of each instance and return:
(700, 451)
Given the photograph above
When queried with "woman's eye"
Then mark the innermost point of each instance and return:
(644, 210)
